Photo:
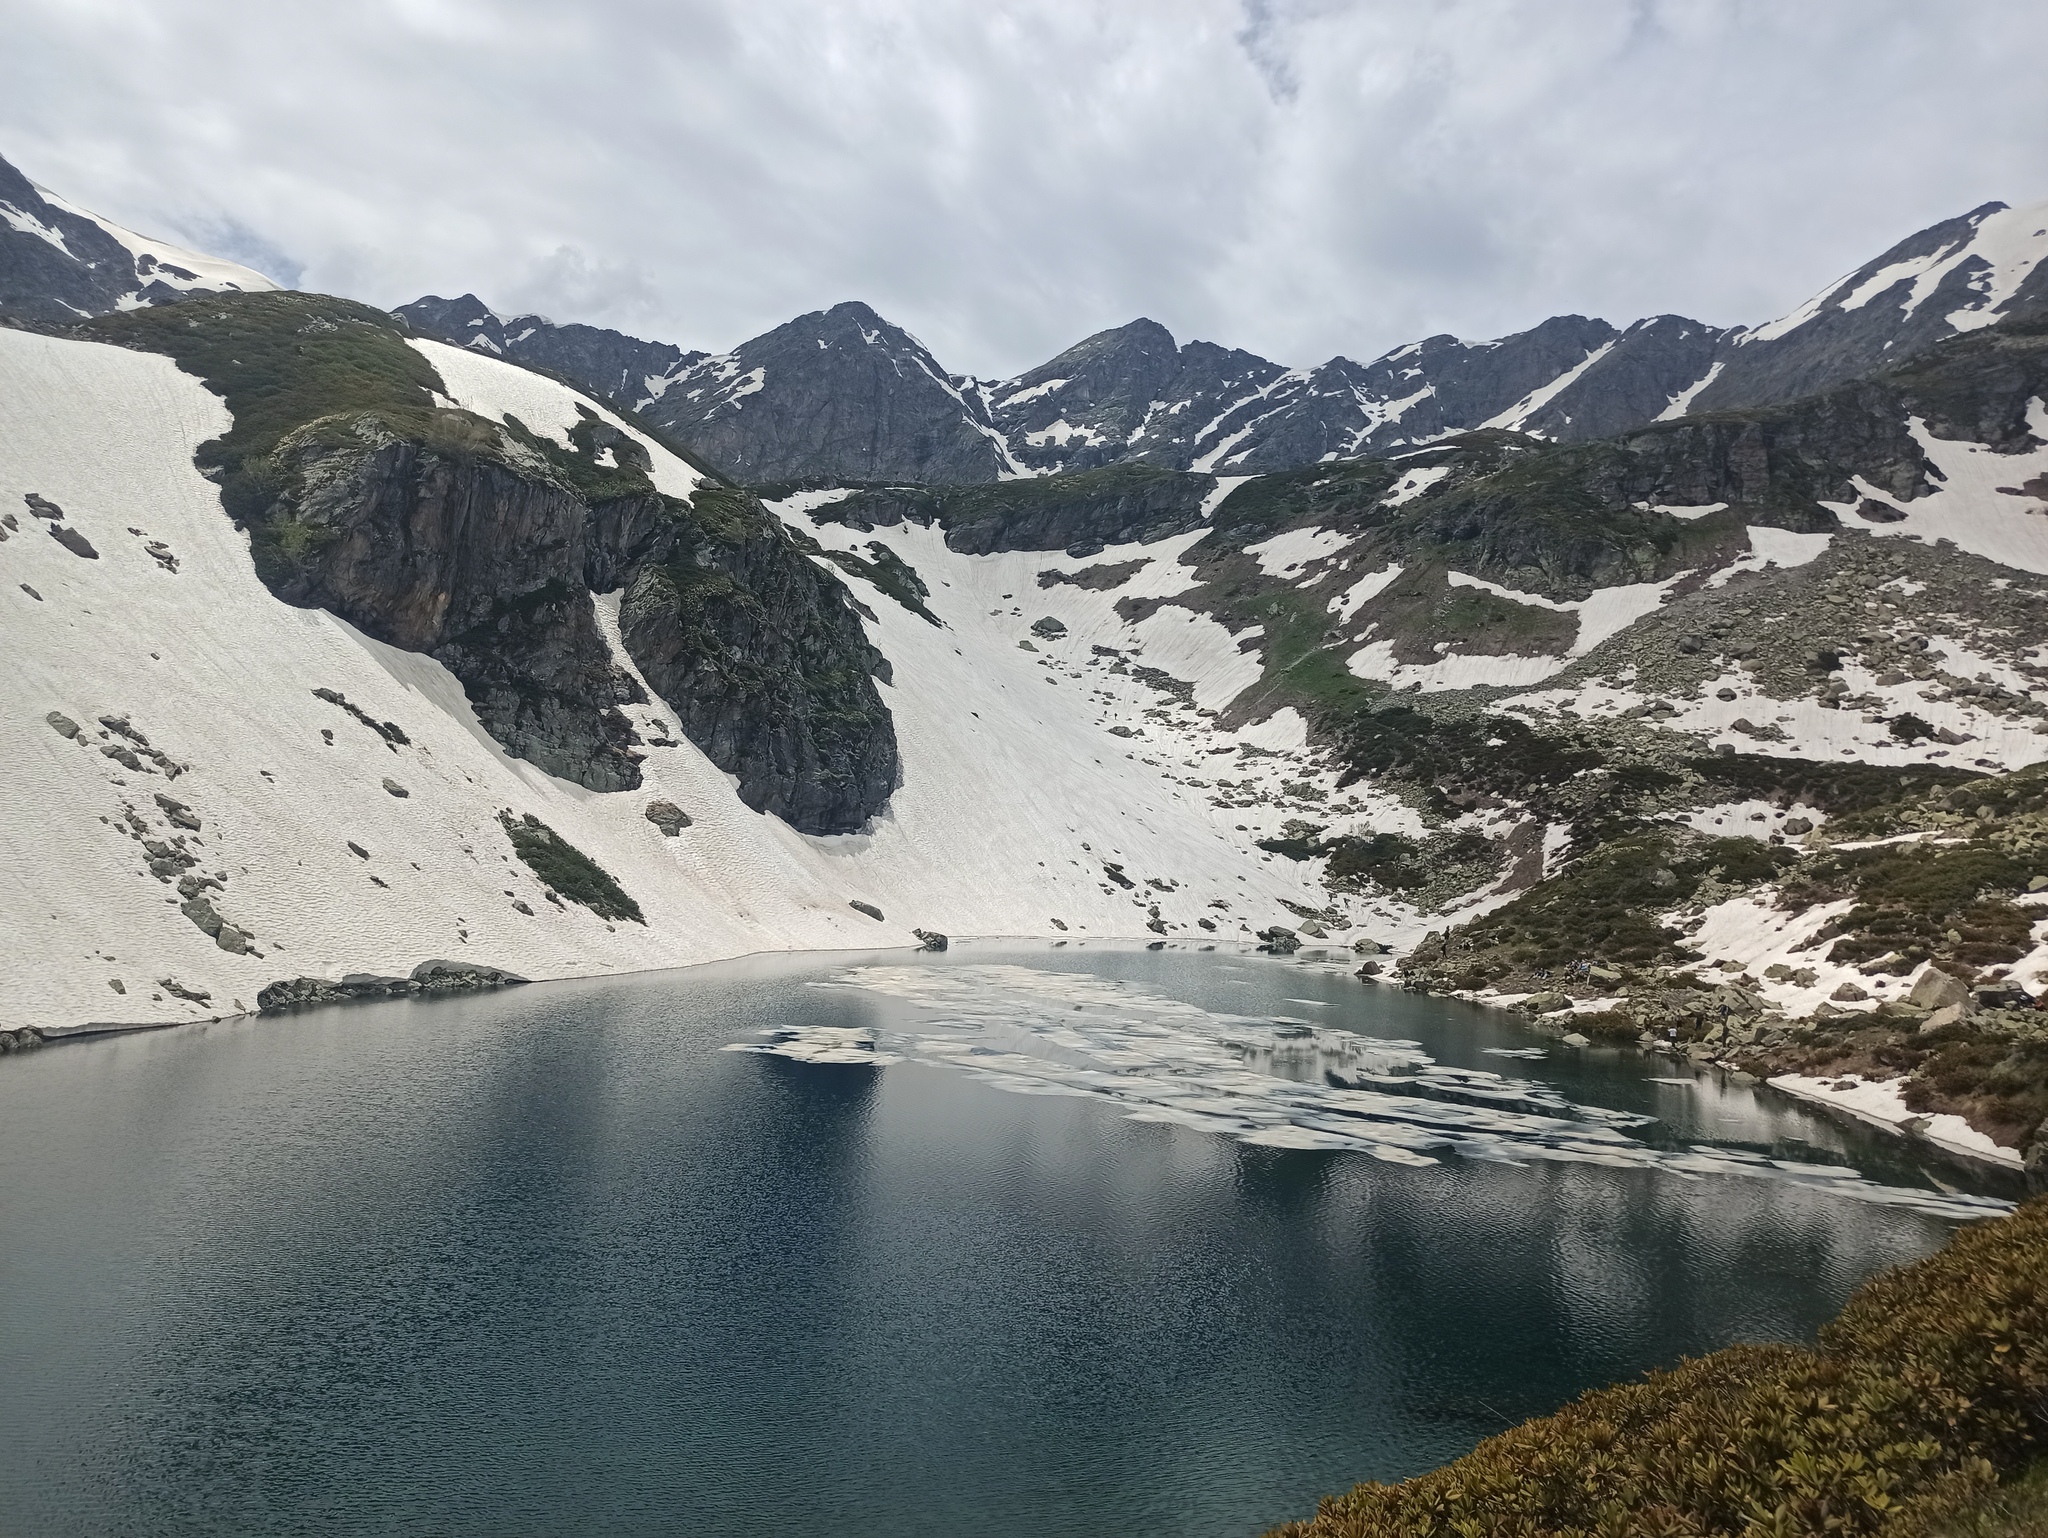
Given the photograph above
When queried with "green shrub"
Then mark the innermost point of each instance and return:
(1929, 1385)
(567, 870)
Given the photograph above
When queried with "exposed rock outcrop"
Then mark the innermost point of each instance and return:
(764, 661)
(429, 977)
(462, 557)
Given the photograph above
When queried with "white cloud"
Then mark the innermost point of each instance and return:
(1300, 177)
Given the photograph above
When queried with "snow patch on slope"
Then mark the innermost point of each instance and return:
(1005, 778)
(495, 390)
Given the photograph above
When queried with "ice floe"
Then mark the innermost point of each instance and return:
(1268, 1080)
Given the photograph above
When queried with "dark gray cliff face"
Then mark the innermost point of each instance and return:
(473, 564)
(1131, 393)
(763, 658)
(609, 364)
(1080, 513)
(837, 393)
(1644, 373)
(72, 268)
(489, 569)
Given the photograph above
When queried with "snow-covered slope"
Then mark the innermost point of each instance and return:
(1013, 799)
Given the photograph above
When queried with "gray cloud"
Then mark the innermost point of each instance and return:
(1300, 177)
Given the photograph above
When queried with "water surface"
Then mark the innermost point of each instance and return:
(553, 1261)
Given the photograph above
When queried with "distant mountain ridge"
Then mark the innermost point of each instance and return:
(60, 263)
(843, 394)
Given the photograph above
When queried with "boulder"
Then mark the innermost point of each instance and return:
(1314, 930)
(1937, 989)
(1281, 941)
(668, 817)
(73, 541)
(1048, 628)
(459, 977)
(868, 908)
(1848, 993)
(1576, 1039)
(1946, 1016)
(1793, 827)
(396, 789)
(62, 724)
(179, 814)
(931, 938)
(1368, 947)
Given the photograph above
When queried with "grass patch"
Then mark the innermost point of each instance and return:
(567, 870)
(1602, 911)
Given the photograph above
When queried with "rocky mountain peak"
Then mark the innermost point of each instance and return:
(60, 262)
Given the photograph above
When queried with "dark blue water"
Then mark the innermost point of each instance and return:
(550, 1262)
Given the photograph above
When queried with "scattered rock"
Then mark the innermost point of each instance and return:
(180, 815)
(27, 1039)
(43, 507)
(1942, 1018)
(519, 906)
(1048, 628)
(933, 940)
(1368, 947)
(62, 724)
(1155, 945)
(1937, 990)
(358, 850)
(1577, 1039)
(668, 817)
(1848, 993)
(1279, 940)
(396, 789)
(392, 733)
(189, 995)
(1314, 930)
(1603, 974)
(117, 985)
(1793, 827)
(38, 597)
(73, 541)
(868, 908)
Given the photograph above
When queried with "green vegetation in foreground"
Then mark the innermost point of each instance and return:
(1929, 1388)
(567, 870)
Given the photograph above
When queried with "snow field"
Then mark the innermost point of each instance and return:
(983, 837)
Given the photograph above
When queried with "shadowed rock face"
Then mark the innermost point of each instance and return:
(477, 566)
(610, 363)
(490, 571)
(839, 392)
(764, 661)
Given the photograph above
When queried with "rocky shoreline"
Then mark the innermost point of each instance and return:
(1755, 1044)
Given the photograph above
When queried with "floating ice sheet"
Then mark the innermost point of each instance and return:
(1269, 1080)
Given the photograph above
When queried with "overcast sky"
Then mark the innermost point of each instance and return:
(1002, 177)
